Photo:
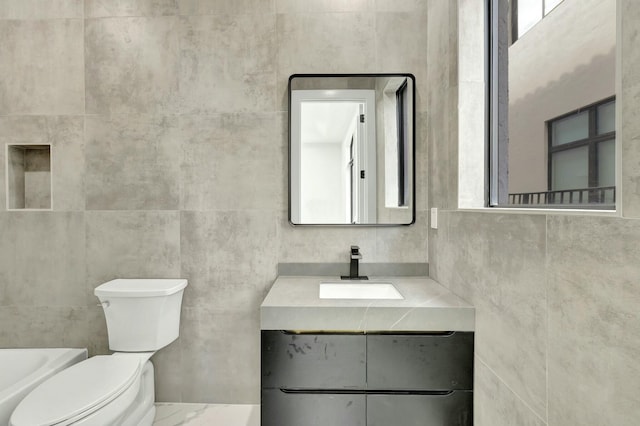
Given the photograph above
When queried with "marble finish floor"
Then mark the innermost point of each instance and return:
(168, 414)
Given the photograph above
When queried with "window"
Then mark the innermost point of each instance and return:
(525, 14)
(582, 155)
(552, 105)
(581, 159)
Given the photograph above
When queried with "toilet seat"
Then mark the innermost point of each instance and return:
(78, 391)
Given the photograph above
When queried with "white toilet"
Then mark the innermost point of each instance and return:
(143, 315)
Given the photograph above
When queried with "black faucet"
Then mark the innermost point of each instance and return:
(354, 273)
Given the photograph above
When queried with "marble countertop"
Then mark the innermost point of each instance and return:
(293, 303)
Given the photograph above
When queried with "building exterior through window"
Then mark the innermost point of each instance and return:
(581, 158)
(527, 13)
(559, 105)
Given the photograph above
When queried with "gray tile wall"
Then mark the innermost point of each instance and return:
(556, 296)
(167, 121)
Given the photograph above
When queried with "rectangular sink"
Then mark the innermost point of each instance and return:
(351, 290)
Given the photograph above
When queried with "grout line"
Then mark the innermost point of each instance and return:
(511, 390)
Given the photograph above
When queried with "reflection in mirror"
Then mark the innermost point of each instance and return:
(351, 149)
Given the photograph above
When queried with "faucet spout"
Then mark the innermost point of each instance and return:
(354, 266)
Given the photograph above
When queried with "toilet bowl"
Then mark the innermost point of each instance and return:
(142, 317)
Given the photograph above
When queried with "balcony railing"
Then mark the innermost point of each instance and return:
(600, 197)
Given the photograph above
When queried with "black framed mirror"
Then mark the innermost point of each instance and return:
(352, 149)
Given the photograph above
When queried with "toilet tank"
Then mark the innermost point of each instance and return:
(142, 315)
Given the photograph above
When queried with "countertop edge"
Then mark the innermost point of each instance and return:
(293, 303)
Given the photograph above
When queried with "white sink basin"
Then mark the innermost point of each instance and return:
(351, 290)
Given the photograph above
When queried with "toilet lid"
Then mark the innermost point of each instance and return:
(81, 388)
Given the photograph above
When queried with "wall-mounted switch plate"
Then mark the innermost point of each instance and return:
(434, 218)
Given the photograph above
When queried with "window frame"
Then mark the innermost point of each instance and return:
(495, 190)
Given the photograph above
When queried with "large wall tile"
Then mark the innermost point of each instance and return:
(400, 51)
(133, 162)
(97, 340)
(497, 263)
(322, 6)
(228, 257)
(167, 364)
(56, 84)
(141, 244)
(37, 9)
(324, 244)
(232, 161)
(404, 244)
(442, 105)
(131, 65)
(110, 8)
(324, 43)
(443, 156)
(401, 5)
(227, 63)
(225, 7)
(422, 161)
(496, 405)
(221, 356)
(42, 258)
(68, 164)
(65, 134)
(43, 327)
(594, 321)
(54, 327)
(305, 40)
(284, 156)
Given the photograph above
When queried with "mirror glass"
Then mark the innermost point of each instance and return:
(351, 149)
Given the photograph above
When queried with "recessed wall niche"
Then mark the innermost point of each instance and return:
(28, 177)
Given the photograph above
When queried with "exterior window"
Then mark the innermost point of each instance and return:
(552, 105)
(581, 160)
(525, 14)
(582, 156)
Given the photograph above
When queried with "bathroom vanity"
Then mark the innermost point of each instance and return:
(359, 361)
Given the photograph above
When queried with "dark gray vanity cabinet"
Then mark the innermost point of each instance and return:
(453, 408)
(423, 362)
(326, 379)
(313, 361)
(287, 408)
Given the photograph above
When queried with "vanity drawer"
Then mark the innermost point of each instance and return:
(453, 409)
(312, 409)
(420, 362)
(313, 361)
